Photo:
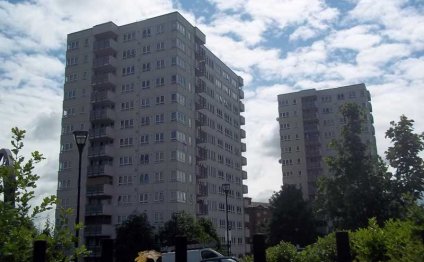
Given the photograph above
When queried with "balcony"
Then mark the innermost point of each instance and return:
(244, 175)
(98, 230)
(200, 86)
(202, 208)
(241, 94)
(202, 190)
(200, 106)
(105, 64)
(243, 161)
(241, 107)
(101, 134)
(202, 172)
(105, 47)
(98, 171)
(102, 116)
(242, 120)
(245, 189)
(242, 133)
(104, 191)
(98, 210)
(105, 30)
(104, 81)
(243, 147)
(103, 98)
(101, 152)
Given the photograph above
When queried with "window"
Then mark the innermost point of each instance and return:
(159, 177)
(160, 29)
(159, 137)
(124, 180)
(128, 53)
(144, 198)
(146, 32)
(124, 199)
(71, 78)
(160, 100)
(125, 160)
(145, 120)
(160, 118)
(160, 81)
(144, 179)
(128, 123)
(66, 147)
(145, 102)
(125, 142)
(129, 70)
(146, 67)
(129, 36)
(178, 155)
(144, 139)
(70, 61)
(126, 88)
(160, 46)
(144, 159)
(160, 64)
(73, 45)
(129, 105)
(63, 165)
(146, 49)
(145, 84)
(159, 156)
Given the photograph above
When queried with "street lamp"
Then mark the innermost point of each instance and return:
(80, 139)
(226, 188)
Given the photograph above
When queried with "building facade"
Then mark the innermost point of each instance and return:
(309, 120)
(258, 216)
(164, 121)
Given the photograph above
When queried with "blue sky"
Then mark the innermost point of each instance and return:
(277, 46)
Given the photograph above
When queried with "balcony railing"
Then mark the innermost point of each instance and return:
(96, 171)
(99, 190)
(101, 133)
(98, 230)
(105, 64)
(98, 210)
(103, 115)
(104, 80)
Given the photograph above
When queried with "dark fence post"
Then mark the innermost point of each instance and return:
(180, 249)
(107, 250)
(259, 248)
(343, 247)
(39, 251)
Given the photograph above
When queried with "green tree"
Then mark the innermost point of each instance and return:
(199, 231)
(16, 221)
(133, 236)
(355, 189)
(407, 184)
(292, 218)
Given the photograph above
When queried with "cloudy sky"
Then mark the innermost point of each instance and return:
(277, 46)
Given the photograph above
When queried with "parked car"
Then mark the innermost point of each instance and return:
(221, 259)
(194, 255)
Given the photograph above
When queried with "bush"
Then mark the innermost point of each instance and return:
(396, 241)
(323, 250)
(283, 252)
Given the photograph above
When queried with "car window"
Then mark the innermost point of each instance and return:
(208, 254)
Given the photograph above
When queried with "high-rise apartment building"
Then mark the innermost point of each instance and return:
(163, 115)
(309, 120)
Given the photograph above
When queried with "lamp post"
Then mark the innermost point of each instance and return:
(80, 139)
(226, 188)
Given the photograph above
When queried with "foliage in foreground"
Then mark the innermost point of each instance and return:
(292, 218)
(17, 217)
(133, 236)
(395, 241)
(200, 231)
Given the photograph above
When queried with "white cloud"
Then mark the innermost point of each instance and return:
(378, 43)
